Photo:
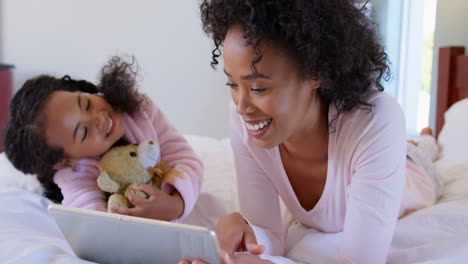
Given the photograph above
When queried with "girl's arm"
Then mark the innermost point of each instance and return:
(78, 186)
(178, 154)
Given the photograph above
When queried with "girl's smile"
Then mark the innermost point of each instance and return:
(83, 124)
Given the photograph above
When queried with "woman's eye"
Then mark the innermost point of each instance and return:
(232, 85)
(258, 90)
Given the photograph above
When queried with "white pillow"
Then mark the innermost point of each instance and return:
(218, 195)
(453, 137)
(11, 177)
(454, 178)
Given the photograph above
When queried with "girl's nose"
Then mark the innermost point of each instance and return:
(100, 121)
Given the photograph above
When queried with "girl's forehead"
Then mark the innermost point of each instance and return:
(59, 105)
(58, 98)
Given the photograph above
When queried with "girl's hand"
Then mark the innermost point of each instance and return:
(159, 205)
(235, 235)
(241, 258)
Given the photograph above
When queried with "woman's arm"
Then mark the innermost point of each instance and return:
(376, 189)
(259, 202)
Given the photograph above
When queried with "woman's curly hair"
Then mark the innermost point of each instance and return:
(332, 40)
(25, 141)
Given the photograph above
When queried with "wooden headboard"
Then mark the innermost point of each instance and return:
(452, 83)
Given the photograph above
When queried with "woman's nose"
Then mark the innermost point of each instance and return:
(244, 104)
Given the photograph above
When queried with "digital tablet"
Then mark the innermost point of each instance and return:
(112, 238)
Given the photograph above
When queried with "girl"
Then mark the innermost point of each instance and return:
(59, 128)
(310, 124)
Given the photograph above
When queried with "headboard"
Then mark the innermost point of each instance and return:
(452, 83)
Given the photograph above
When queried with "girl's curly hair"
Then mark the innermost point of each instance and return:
(25, 141)
(332, 40)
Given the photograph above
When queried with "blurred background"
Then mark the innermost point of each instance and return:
(77, 38)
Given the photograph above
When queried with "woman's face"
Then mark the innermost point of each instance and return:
(277, 102)
(83, 124)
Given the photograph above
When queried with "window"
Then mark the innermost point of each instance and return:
(407, 29)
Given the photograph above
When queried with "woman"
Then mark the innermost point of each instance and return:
(310, 124)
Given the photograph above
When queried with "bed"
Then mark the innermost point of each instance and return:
(438, 234)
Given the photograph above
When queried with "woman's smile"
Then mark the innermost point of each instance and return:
(258, 128)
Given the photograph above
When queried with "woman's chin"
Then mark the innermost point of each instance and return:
(265, 142)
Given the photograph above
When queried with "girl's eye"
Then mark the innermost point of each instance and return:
(88, 105)
(85, 134)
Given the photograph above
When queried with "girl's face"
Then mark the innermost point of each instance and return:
(83, 124)
(277, 103)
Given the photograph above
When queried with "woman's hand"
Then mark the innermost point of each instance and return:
(244, 258)
(235, 235)
(241, 258)
(159, 205)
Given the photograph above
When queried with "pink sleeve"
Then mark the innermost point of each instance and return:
(377, 184)
(79, 187)
(258, 198)
(177, 153)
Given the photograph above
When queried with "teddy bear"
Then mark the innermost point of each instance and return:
(123, 167)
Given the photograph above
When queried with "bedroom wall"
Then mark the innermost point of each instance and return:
(77, 37)
(450, 30)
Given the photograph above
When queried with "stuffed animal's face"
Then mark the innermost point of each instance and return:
(129, 164)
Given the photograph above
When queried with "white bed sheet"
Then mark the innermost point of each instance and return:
(438, 234)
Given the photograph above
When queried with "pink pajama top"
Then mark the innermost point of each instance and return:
(79, 187)
(368, 186)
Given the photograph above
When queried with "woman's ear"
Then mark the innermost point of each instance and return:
(311, 84)
(314, 83)
(65, 163)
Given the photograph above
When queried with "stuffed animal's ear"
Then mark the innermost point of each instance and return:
(106, 184)
(149, 153)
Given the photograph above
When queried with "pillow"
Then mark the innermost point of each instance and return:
(218, 195)
(454, 179)
(453, 137)
(11, 177)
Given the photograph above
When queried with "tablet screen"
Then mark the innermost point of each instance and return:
(111, 238)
